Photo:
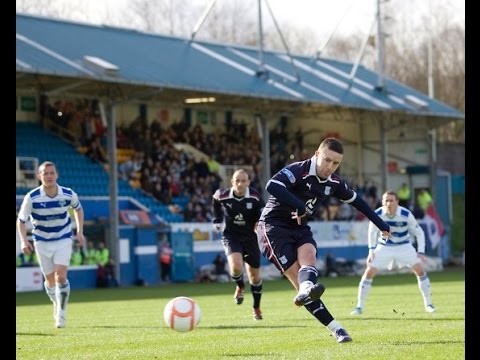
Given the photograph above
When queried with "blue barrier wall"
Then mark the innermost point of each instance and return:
(183, 268)
(82, 277)
(146, 253)
(458, 184)
(128, 262)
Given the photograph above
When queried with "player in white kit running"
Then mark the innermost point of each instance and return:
(47, 208)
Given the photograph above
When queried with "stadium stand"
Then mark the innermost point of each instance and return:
(76, 170)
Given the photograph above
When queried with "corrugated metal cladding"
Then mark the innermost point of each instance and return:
(48, 46)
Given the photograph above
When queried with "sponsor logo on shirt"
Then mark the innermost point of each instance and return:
(289, 175)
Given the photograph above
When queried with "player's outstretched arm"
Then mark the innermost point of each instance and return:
(363, 207)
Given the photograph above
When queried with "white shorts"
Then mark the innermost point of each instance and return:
(403, 255)
(51, 253)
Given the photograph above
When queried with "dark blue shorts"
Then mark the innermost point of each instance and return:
(279, 244)
(249, 249)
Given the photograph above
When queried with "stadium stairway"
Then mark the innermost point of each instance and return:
(77, 171)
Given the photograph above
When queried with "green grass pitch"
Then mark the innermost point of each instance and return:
(127, 323)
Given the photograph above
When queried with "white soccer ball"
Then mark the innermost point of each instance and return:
(182, 314)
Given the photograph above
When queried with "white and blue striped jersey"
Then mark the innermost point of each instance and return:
(49, 215)
(402, 226)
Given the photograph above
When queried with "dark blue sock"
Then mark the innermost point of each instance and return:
(307, 273)
(318, 309)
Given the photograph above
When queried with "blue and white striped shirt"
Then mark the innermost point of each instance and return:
(49, 215)
(402, 225)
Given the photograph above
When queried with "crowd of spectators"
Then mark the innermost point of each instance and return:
(165, 172)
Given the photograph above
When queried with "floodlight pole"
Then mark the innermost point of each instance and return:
(261, 56)
(330, 37)
(262, 127)
(361, 52)
(202, 19)
(431, 95)
(380, 49)
(108, 112)
(297, 75)
(261, 72)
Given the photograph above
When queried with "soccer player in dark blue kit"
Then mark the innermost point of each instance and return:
(284, 236)
(240, 207)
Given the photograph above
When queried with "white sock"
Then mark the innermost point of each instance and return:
(62, 293)
(333, 326)
(424, 286)
(363, 288)
(50, 292)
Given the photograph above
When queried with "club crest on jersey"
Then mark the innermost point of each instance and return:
(289, 175)
(239, 220)
(62, 203)
(310, 206)
(249, 206)
(327, 190)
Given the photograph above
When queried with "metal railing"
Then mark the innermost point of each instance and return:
(26, 171)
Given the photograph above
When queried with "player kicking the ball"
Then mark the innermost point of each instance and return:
(284, 236)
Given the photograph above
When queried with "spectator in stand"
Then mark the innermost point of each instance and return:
(404, 196)
(219, 263)
(105, 267)
(422, 202)
(219, 271)
(213, 165)
(424, 199)
(110, 273)
(103, 254)
(189, 214)
(25, 260)
(155, 128)
(161, 194)
(166, 258)
(77, 257)
(19, 259)
(95, 151)
(129, 169)
(91, 254)
(122, 139)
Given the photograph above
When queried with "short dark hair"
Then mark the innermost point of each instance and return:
(333, 144)
(390, 192)
(45, 164)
